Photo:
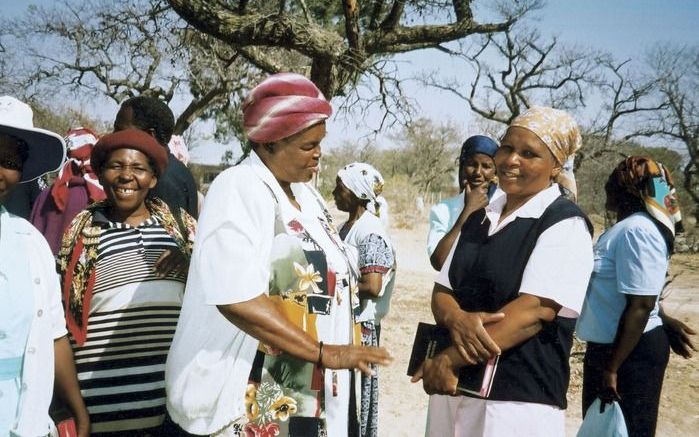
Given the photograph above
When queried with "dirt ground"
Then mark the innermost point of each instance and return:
(403, 406)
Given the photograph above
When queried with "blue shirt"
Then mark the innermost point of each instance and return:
(442, 218)
(630, 258)
(16, 310)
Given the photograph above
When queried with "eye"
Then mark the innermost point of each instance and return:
(11, 164)
(528, 154)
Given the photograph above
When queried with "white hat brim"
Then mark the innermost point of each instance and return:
(47, 150)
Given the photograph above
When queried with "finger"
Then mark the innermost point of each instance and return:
(417, 376)
(364, 368)
(464, 355)
(491, 317)
(687, 330)
(482, 353)
(488, 342)
(161, 259)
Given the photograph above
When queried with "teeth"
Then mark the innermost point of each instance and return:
(125, 190)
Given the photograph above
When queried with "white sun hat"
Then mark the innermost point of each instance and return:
(47, 150)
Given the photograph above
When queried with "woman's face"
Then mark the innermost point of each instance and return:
(296, 158)
(525, 166)
(127, 177)
(344, 198)
(10, 166)
(476, 170)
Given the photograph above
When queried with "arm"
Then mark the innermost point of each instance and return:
(474, 200)
(631, 324)
(471, 340)
(678, 334)
(260, 318)
(67, 385)
(370, 285)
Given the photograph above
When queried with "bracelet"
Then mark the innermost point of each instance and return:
(319, 363)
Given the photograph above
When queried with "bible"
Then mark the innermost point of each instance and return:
(430, 340)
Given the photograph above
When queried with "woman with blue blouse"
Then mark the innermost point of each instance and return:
(627, 347)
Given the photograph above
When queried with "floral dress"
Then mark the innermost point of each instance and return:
(315, 288)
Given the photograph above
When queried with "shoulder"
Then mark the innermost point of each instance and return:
(564, 210)
(640, 226)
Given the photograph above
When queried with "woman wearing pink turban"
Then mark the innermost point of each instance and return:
(267, 329)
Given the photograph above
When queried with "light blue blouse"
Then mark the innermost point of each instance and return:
(16, 308)
(631, 257)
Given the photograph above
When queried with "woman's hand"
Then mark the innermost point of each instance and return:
(469, 336)
(354, 357)
(171, 261)
(678, 334)
(438, 374)
(609, 392)
(475, 198)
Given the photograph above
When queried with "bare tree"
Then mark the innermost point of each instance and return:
(342, 42)
(518, 68)
(121, 49)
(427, 152)
(676, 70)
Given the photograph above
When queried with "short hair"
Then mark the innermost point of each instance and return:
(152, 113)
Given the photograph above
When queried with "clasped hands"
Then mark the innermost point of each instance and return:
(471, 345)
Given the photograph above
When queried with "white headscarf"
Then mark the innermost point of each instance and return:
(367, 184)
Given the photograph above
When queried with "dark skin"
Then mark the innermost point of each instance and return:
(370, 283)
(291, 160)
(127, 177)
(634, 318)
(475, 175)
(65, 376)
(525, 167)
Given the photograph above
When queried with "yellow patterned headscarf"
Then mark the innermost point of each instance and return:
(561, 134)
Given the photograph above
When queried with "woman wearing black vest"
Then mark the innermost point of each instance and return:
(513, 285)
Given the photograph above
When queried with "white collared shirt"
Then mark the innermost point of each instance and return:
(210, 358)
(560, 265)
(48, 321)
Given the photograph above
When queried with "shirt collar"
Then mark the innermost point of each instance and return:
(533, 208)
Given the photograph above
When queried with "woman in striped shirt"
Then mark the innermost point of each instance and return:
(123, 265)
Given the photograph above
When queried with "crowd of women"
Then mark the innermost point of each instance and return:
(258, 316)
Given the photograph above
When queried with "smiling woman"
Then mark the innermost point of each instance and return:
(497, 294)
(123, 265)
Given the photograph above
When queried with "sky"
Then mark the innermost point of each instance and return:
(625, 28)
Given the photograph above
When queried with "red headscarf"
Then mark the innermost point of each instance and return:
(282, 105)
(77, 169)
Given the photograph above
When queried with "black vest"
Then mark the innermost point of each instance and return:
(486, 273)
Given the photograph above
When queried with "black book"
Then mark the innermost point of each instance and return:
(432, 339)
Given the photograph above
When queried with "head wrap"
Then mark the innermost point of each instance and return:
(561, 134)
(282, 105)
(365, 182)
(77, 170)
(477, 144)
(179, 149)
(651, 182)
(130, 139)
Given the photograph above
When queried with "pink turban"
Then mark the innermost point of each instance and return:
(282, 105)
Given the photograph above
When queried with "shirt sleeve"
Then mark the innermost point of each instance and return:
(443, 275)
(560, 265)
(439, 219)
(641, 262)
(375, 255)
(52, 288)
(230, 263)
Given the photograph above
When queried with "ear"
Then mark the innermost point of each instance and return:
(556, 171)
(153, 182)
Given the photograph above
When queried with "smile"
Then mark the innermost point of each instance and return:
(125, 191)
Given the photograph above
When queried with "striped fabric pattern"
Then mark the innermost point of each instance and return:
(132, 319)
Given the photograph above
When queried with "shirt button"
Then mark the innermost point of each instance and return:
(37, 281)
(40, 313)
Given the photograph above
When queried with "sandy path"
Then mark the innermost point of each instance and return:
(403, 406)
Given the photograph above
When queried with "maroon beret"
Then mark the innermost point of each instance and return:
(129, 139)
